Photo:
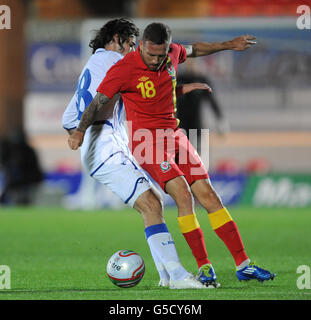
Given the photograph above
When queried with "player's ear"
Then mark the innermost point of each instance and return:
(115, 38)
(141, 44)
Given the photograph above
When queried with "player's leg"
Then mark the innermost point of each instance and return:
(138, 193)
(179, 190)
(227, 230)
(197, 177)
(150, 208)
(221, 220)
(170, 178)
(161, 243)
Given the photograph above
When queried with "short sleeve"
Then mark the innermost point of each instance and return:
(178, 53)
(182, 54)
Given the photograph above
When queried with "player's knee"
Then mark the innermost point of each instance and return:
(180, 191)
(149, 204)
(210, 200)
(184, 199)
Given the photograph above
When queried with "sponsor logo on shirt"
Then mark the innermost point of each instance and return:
(143, 78)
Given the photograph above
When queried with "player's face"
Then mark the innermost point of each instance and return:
(129, 45)
(153, 54)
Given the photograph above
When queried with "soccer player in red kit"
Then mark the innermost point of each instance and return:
(147, 82)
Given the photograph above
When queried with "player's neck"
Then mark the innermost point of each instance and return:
(112, 46)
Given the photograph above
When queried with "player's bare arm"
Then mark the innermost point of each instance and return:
(76, 138)
(240, 43)
(188, 87)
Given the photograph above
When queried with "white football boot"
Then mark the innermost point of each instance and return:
(190, 282)
(163, 283)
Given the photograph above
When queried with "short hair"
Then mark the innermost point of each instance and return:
(123, 27)
(157, 33)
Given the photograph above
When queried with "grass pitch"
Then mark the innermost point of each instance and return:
(58, 254)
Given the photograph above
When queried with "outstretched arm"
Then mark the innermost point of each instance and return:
(76, 138)
(199, 49)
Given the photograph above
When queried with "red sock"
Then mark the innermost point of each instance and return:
(230, 235)
(190, 228)
(228, 232)
(195, 240)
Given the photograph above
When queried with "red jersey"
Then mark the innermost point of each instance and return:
(149, 96)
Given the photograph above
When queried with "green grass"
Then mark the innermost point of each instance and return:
(58, 254)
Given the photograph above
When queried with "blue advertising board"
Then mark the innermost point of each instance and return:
(53, 66)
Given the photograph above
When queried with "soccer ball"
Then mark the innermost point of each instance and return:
(125, 268)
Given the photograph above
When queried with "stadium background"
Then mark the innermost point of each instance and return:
(262, 161)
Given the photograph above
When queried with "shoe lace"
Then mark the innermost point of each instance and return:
(259, 270)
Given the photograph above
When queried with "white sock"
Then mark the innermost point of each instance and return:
(160, 266)
(162, 246)
(243, 264)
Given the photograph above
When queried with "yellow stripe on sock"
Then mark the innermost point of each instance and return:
(219, 218)
(188, 223)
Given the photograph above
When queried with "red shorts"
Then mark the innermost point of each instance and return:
(168, 154)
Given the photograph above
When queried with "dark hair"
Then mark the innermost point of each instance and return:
(124, 28)
(157, 33)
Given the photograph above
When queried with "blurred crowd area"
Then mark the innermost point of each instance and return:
(259, 116)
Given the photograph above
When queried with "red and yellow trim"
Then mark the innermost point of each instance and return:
(171, 71)
(219, 218)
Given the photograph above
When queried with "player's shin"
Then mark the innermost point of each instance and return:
(164, 276)
(227, 230)
(190, 228)
(162, 245)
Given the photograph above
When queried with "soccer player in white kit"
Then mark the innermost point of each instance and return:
(106, 156)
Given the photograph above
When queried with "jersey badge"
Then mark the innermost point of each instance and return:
(165, 166)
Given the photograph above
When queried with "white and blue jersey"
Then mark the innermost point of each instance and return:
(104, 153)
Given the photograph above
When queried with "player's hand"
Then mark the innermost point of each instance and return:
(75, 140)
(242, 42)
(188, 87)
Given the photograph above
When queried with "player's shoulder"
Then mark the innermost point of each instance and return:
(105, 56)
(129, 58)
(107, 53)
(177, 52)
(175, 47)
(127, 62)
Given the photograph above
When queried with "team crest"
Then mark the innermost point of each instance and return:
(165, 166)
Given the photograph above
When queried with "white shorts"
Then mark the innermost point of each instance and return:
(123, 177)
